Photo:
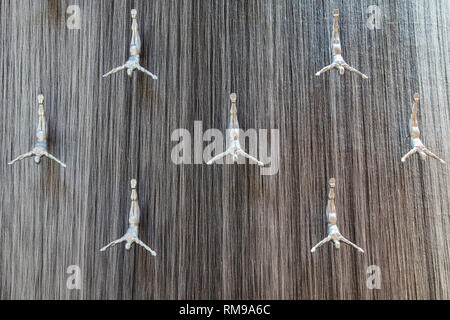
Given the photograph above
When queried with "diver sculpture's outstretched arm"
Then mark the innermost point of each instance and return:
(431, 154)
(115, 70)
(409, 154)
(246, 155)
(220, 156)
(321, 243)
(112, 244)
(21, 157)
(351, 69)
(52, 157)
(140, 68)
(341, 238)
(141, 243)
(325, 69)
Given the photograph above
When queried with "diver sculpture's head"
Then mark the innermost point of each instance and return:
(337, 244)
(37, 159)
(130, 72)
(128, 246)
(423, 156)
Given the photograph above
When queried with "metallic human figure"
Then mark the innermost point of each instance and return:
(40, 149)
(133, 62)
(336, 57)
(133, 230)
(414, 135)
(235, 149)
(333, 231)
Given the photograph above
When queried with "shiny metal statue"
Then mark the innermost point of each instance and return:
(135, 50)
(414, 135)
(336, 57)
(235, 149)
(133, 230)
(40, 149)
(333, 231)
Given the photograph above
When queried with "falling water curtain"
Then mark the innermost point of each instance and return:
(224, 231)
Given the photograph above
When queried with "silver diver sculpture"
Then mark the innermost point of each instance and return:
(132, 233)
(336, 52)
(333, 231)
(133, 62)
(235, 149)
(414, 135)
(40, 149)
